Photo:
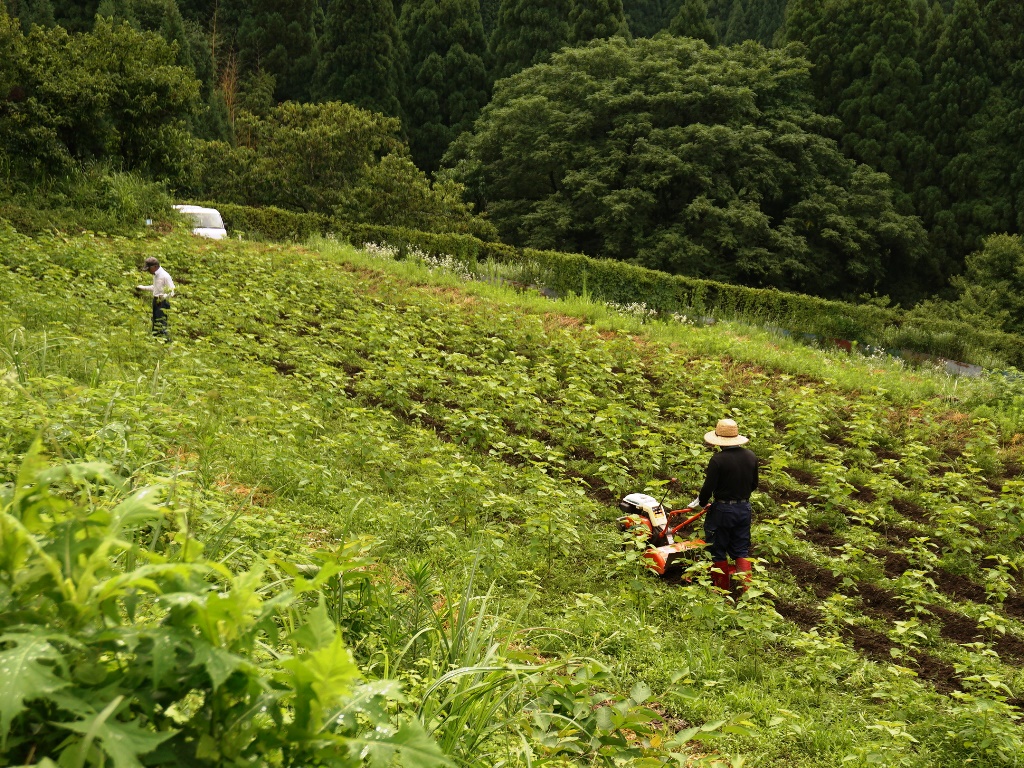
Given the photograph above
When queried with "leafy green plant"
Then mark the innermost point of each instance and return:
(122, 645)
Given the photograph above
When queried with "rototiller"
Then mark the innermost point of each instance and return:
(647, 519)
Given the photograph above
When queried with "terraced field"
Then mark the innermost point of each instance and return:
(314, 396)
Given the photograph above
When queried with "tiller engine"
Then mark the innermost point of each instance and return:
(645, 517)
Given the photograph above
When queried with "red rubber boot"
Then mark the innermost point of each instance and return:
(743, 568)
(720, 574)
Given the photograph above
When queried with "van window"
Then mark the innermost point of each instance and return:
(208, 220)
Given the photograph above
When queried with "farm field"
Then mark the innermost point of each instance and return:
(465, 446)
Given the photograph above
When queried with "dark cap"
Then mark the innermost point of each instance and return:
(151, 261)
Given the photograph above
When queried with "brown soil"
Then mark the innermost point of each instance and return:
(807, 574)
(802, 476)
(885, 453)
(803, 616)
(939, 673)
(955, 626)
(910, 510)
(864, 494)
(963, 588)
(880, 602)
(579, 453)
(791, 494)
(1011, 469)
(899, 535)
(285, 369)
(896, 564)
(822, 535)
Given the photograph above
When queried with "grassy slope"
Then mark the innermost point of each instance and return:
(310, 397)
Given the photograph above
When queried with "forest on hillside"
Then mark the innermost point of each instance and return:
(856, 149)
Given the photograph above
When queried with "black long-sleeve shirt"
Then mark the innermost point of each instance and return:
(732, 474)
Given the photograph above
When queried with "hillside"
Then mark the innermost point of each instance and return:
(472, 442)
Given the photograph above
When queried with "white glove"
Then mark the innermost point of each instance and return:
(695, 503)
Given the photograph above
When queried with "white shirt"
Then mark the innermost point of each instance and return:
(162, 287)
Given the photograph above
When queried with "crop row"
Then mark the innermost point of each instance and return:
(565, 405)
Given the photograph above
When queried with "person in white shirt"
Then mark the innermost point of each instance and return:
(162, 290)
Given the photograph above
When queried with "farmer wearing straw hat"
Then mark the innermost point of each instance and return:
(731, 477)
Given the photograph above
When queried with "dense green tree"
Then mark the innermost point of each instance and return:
(75, 15)
(871, 69)
(957, 213)
(331, 158)
(303, 157)
(200, 11)
(648, 17)
(739, 20)
(992, 286)
(447, 77)
(114, 94)
(692, 21)
(596, 20)
(361, 56)
(397, 193)
(527, 33)
(696, 160)
(276, 36)
(118, 11)
(999, 140)
(32, 12)
(489, 15)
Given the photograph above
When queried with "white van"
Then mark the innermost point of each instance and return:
(206, 222)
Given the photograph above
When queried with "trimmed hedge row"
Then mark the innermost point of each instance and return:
(624, 283)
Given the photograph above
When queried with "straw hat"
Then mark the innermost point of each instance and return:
(725, 433)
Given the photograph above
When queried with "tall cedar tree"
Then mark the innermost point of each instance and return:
(32, 13)
(527, 33)
(199, 10)
(1000, 140)
(960, 89)
(489, 15)
(868, 57)
(596, 20)
(646, 18)
(361, 56)
(739, 20)
(75, 15)
(276, 36)
(447, 78)
(692, 21)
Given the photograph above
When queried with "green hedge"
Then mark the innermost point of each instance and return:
(624, 283)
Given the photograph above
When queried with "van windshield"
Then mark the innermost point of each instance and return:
(207, 220)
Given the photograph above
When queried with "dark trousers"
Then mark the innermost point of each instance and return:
(727, 530)
(160, 307)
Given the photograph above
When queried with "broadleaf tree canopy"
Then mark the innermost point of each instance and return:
(696, 160)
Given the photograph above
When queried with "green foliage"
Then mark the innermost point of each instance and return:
(113, 94)
(96, 199)
(328, 159)
(735, 181)
(933, 330)
(362, 58)
(527, 33)
(739, 20)
(121, 644)
(993, 285)
(396, 193)
(277, 37)
(314, 394)
(447, 79)
(692, 21)
(596, 20)
(302, 156)
(648, 17)
(923, 97)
